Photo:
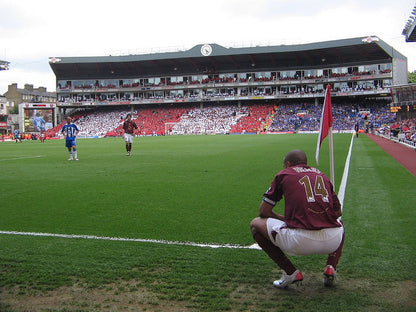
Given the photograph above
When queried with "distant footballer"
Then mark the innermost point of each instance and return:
(128, 133)
(70, 132)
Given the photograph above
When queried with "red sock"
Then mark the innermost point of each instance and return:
(333, 258)
(275, 253)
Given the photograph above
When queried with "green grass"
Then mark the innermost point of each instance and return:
(198, 189)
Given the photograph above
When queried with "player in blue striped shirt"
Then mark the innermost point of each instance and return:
(70, 131)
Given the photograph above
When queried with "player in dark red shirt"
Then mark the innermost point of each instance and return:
(310, 224)
(128, 133)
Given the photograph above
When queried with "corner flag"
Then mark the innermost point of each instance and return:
(325, 128)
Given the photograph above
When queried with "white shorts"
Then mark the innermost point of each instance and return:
(128, 138)
(301, 242)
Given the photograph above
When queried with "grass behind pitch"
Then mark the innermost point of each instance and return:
(201, 189)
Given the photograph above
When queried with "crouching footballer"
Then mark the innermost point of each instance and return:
(310, 224)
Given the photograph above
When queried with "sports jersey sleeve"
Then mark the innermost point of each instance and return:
(335, 200)
(274, 193)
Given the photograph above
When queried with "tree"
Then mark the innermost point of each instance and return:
(412, 77)
(14, 110)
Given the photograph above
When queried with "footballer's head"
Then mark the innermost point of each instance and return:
(128, 116)
(68, 120)
(294, 158)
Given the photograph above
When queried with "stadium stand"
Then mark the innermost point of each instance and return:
(254, 121)
(230, 119)
(356, 67)
(262, 89)
(209, 120)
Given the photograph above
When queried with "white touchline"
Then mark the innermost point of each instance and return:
(24, 157)
(123, 239)
(343, 186)
(341, 194)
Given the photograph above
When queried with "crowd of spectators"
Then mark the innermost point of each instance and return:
(306, 117)
(254, 121)
(99, 123)
(403, 130)
(209, 120)
(151, 121)
(224, 119)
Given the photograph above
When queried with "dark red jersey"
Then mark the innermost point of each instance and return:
(310, 201)
(129, 126)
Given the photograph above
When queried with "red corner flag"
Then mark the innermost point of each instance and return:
(325, 128)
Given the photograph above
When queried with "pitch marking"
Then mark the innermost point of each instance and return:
(343, 186)
(24, 157)
(123, 239)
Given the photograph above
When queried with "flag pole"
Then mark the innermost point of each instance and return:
(318, 145)
(331, 157)
(325, 129)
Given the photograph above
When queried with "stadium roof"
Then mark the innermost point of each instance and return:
(219, 59)
(409, 29)
(4, 65)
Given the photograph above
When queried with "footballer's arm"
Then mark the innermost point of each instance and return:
(266, 211)
(336, 206)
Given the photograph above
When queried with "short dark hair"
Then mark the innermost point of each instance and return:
(296, 157)
(128, 115)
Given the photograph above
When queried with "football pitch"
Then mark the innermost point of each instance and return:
(118, 226)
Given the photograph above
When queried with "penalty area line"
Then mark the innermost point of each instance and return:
(123, 239)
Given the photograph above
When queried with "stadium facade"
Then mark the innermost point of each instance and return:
(409, 30)
(365, 68)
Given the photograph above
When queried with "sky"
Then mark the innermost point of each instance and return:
(33, 31)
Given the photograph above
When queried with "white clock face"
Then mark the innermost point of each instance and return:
(206, 50)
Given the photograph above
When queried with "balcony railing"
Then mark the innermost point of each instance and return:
(233, 84)
(221, 98)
